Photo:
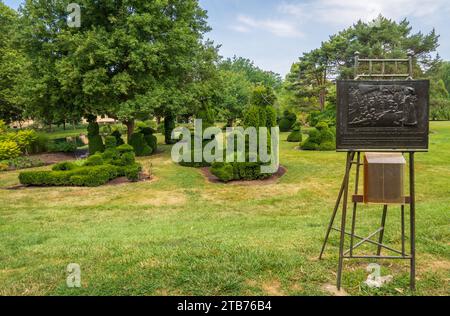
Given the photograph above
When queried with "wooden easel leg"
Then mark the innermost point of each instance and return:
(383, 225)
(355, 204)
(344, 215)
(333, 216)
(412, 220)
(403, 229)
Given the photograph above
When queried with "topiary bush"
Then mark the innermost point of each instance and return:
(295, 137)
(169, 126)
(140, 146)
(95, 140)
(287, 121)
(110, 142)
(94, 160)
(82, 176)
(65, 166)
(118, 135)
(247, 171)
(97, 170)
(223, 171)
(321, 138)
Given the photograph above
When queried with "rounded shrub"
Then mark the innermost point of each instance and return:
(151, 141)
(140, 146)
(94, 160)
(223, 171)
(125, 148)
(295, 137)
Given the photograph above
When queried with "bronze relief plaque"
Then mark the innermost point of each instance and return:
(382, 115)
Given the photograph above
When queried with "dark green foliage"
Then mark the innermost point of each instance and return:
(151, 141)
(110, 142)
(118, 136)
(247, 171)
(287, 121)
(82, 176)
(223, 171)
(140, 146)
(125, 159)
(63, 147)
(64, 166)
(206, 115)
(295, 137)
(320, 138)
(95, 140)
(97, 170)
(132, 172)
(271, 117)
(125, 148)
(169, 126)
(39, 145)
(328, 116)
(111, 155)
(94, 160)
(193, 164)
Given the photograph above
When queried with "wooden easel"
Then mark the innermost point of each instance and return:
(356, 199)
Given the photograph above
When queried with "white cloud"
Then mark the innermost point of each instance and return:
(346, 12)
(281, 28)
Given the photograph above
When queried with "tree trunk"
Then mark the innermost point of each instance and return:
(130, 128)
(230, 122)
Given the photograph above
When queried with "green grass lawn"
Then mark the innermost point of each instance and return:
(180, 235)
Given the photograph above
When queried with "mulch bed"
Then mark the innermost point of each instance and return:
(52, 158)
(206, 172)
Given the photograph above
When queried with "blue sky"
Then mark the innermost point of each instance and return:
(274, 33)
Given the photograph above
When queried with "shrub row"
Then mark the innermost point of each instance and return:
(89, 176)
(238, 171)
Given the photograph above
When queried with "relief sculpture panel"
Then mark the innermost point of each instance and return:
(382, 115)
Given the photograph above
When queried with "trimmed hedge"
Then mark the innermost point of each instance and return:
(97, 170)
(238, 171)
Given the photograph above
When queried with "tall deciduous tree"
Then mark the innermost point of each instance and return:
(13, 65)
(128, 59)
